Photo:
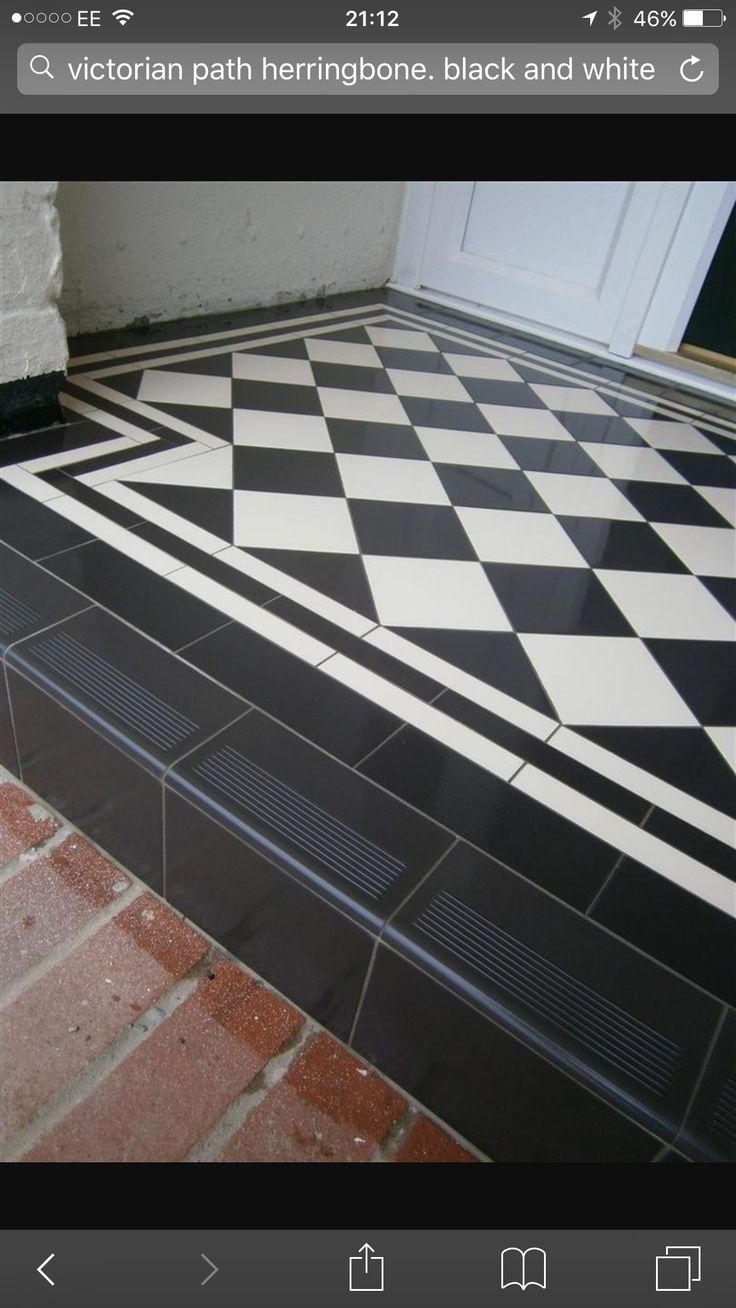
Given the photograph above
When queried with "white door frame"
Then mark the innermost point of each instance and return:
(672, 266)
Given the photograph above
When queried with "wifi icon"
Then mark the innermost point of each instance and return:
(123, 16)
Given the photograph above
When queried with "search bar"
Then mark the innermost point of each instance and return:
(348, 69)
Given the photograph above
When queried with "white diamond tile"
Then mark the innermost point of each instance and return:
(445, 593)
(268, 520)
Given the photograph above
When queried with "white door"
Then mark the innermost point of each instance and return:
(582, 258)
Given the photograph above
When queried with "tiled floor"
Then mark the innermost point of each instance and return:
(426, 636)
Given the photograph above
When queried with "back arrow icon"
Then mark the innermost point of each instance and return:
(42, 1272)
(215, 1269)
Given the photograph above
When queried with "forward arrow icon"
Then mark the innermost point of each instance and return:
(215, 1269)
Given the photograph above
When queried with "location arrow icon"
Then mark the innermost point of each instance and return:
(214, 1271)
(591, 17)
(40, 1268)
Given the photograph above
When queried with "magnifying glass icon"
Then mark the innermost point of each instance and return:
(41, 64)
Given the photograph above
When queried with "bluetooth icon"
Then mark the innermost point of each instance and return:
(614, 18)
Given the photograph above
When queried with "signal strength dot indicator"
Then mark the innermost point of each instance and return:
(122, 16)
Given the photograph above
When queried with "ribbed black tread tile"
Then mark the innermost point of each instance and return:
(316, 818)
(30, 599)
(148, 702)
(710, 1130)
(614, 1019)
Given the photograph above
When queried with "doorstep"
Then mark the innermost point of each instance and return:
(509, 926)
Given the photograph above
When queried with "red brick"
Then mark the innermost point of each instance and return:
(427, 1143)
(68, 1016)
(159, 1101)
(328, 1108)
(50, 899)
(20, 828)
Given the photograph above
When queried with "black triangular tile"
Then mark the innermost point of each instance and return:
(216, 421)
(340, 576)
(704, 673)
(216, 365)
(280, 350)
(207, 508)
(126, 382)
(494, 657)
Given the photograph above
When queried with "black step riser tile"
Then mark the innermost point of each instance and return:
(293, 938)
(8, 755)
(112, 799)
(709, 1134)
(613, 1019)
(499, 1094)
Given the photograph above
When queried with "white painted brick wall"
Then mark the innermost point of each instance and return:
(32, 334)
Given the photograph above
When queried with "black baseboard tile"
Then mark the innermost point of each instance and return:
(672, 926)
(288, 935)
(506, 1099)
(30, 402)
(611, 1018)
(709, 1134)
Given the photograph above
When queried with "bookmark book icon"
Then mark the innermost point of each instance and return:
(524, 1267)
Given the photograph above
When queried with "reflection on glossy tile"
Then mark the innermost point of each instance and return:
(668, 605)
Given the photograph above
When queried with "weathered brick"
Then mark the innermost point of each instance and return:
(172, 1088)
(328, 1108)
(51, 898)
(425, 1142)
(20, 827)
(69, 1015)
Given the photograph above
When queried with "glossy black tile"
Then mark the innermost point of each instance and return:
(30, 599)
(684, 756)
(625, 546)
(613, 1019)
(496, 657)
(418, 360)
(328, 714)
(201, 417)
(103, 791)
(274, 924)
(202, 505)
(702, 469)
(33, 528)
(563, 600)
(78, 490)
(210, 564)
(321, 823)
(672, 926)
(386, 440)
(151, 704)
(8, 753)
(276, 397)
(214, 365)
(455, 415)
(352, 378)
(340, 576)
(516, 394)
(551, 456)
(598, 427)
(136, 594)
(724, 590)
(489, 488)
(706, 849)
(286, 472)
(704, 673)
(513, 1104)
(280, 350)
(660, 502)
(59, 440)
(490, 813)
(709, 1134)
(118, 407)
(360, 651)
(426, 531)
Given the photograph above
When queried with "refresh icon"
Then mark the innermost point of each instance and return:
(687, 69)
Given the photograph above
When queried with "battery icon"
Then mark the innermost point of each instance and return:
(703, 18)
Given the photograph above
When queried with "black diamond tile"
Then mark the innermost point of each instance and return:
(660, 502)
(385, 440)
(295, 472)
(625, 546)
(30, 599)
(415, 360)
(568, 601)
(709, 1134)
(726, 444)
(340, 576)
(495, 657)
(489, 488)
(684, 756)
(550, 456)
(702, 469)
(319, 708)
(724, 590)
(426, 531)
(612, 1018)
(276, 397)
(490, 813)
(455, 415)
(33, 528)
(672, 926)
(704, 673)
(207, 508)
(487, 1084)
(517, 394)
(599, 427)
(352, 378)
(136, 594)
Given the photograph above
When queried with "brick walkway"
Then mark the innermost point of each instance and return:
(127, 1036)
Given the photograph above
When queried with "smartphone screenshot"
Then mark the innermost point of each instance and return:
(367, 654)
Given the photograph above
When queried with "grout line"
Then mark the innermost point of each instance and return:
(49, 627)
(701, 1074)
(75, 1092)
(395, 1136)
(359, 762)
(179, 649)
(27, 857)
(201, 743)
(363, 992)
(621, 859)
(13, 730)
(71, 942)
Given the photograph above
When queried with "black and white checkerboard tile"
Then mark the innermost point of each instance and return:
(559, 551)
